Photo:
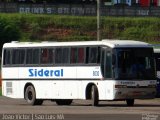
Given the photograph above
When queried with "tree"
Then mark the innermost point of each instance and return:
(8, 32)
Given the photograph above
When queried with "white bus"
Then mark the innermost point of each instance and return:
(87, 70)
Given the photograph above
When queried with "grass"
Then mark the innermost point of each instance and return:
(32, 27)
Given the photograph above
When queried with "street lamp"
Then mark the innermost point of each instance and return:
(98, 20)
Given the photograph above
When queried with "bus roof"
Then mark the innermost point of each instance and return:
(106, 42)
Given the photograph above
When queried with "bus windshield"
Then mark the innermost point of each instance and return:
(134, 63)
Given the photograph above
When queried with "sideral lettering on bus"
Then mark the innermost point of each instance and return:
(45, 73)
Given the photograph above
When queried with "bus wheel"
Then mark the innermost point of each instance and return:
(30, 96)
(130, 102)
(94, 96)
(64, 102)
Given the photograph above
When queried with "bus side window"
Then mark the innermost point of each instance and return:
(73, 55)
(77, 55)
(58, 55)
(66, 55)
(51, 56)
(22, 56)
(15, 56)
(35, 58)
(81, 55)
(7, 57)
(32, 56)
(94, 55)
(29, 56)
(47, 56)
(87, 55)
(44, 56)
(18, 56)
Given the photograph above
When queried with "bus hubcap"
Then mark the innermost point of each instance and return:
(30, 95)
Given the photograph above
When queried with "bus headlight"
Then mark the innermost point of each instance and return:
(152, 86)
(120, 86)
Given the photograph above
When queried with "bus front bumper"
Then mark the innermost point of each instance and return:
(136, 93)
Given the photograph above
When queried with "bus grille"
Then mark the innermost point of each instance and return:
(9, 88)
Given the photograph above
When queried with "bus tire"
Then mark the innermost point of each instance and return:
(130, 102)
(94, 96)
(30, 96)
(64, 102)
(38, 102)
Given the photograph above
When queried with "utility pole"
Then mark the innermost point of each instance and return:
(98, 20)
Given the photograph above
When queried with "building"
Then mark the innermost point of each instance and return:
(143, 3)
(146, 3)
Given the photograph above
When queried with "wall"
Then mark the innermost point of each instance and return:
(82, 10)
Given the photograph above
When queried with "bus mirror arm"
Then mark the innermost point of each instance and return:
(113, 60)
(113, 66)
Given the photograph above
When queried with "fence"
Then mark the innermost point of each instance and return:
(71, 9)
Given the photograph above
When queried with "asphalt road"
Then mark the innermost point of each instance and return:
(18, 109)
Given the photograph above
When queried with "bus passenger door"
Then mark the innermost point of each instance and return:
(106, 63)
(106, 68)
